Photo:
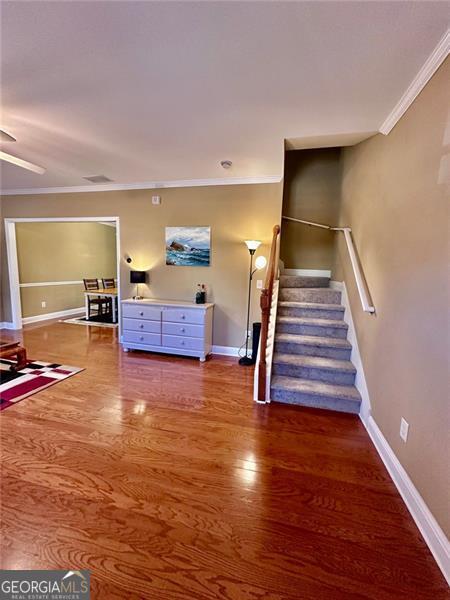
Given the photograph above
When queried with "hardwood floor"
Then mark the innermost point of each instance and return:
(161, 476)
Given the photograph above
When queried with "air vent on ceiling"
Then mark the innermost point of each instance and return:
(5, 137)
(98, 179)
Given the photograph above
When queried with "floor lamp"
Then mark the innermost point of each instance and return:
(260, 263)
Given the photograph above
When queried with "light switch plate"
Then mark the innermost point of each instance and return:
(404, 428)
(156, 199)
(44, 304)
(259, 284)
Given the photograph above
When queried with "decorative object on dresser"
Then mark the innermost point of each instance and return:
(260, 263)
(200, 296)
(167, 326)
(137, 277)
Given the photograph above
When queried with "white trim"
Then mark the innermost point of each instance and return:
(427, 71)
(433, 535)
(13, 273)
(6, 325)
(307, 272)
(58, 219)
(53, 315)
(355, 357)
(146, 185)
(13, 267)
(225, 350)
(47, 283)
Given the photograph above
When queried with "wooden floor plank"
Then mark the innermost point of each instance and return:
(163, 477)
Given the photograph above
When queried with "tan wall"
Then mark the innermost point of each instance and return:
(395, 200)
(312, 188)
(234, 213)
(62, 252)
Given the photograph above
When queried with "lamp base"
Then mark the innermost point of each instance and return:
(246, 361)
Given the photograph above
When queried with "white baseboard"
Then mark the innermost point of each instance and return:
(433, 535)
(53, 315)
(225, 350)
(307, 272)
(355, 357)
(6, 325)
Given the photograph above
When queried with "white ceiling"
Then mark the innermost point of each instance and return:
(151, 91)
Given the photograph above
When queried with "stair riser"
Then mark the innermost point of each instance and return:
(314, 373)
(314, 401)
(288, 311)
(307, 350)
(301, 329)
(296, 281)
(324, 296)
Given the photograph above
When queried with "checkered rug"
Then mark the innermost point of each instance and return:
(37, 375)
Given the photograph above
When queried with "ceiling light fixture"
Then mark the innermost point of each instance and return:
(19, 162)
(226, 164)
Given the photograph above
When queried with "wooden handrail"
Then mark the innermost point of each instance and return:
(265, 302)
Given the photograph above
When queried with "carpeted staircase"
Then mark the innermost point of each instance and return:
(311, 362)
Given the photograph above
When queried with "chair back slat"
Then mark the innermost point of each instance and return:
(90, 284)
(108, 283)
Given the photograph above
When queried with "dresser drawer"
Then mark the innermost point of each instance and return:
(183, 315)
(140, 311)
(185, 343)
(135, 337)
(183, 329)
(140, 325)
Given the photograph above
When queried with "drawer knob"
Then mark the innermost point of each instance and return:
(142, 313)
(183, 316)
(183, 330)
(142, 338)
(182, 342)
(141, 325)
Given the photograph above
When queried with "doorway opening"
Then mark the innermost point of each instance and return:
(48, 261)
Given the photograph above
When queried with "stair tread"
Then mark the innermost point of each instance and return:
(312, 340)
(313, 321)
(311, 289)
(314, 361)
(311, 305)
(317, 388)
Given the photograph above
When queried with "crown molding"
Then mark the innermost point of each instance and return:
(430, 67)
(148, 185)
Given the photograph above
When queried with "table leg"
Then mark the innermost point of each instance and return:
(86, 307)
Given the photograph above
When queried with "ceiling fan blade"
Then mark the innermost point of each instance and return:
(19, 162)
(5, 137)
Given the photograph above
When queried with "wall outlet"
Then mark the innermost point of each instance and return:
(259, 284)
(404, 428)
(156, 199)
(44, 304)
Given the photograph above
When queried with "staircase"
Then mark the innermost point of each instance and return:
(311, 362)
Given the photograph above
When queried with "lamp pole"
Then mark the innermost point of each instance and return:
(246, 360)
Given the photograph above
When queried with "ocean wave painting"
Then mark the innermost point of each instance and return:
(188, 246)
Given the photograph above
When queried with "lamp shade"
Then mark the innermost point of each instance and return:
(252, 244)
(260, 262)
(137, 276)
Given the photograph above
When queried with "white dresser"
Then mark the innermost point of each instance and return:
(167, 326)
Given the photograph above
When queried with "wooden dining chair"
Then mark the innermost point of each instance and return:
(98, 302)
(108, 283)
